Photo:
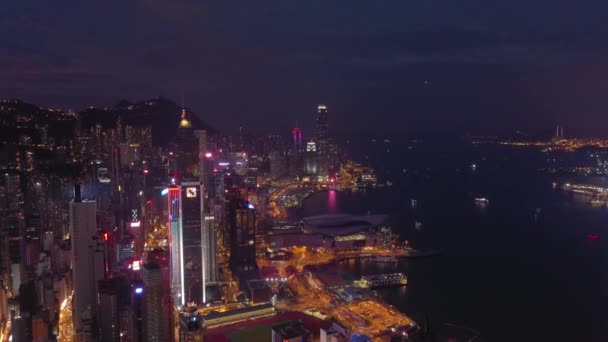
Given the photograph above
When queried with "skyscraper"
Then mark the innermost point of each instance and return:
(87, 261)
(152, 304)
(175, 238)
(243, 224)
(192, 239)
(109, 320)
(322, 128)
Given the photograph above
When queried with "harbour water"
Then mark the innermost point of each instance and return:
(509, 271)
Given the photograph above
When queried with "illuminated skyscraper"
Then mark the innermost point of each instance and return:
(175, 238)
(192, 238)
(322, 128)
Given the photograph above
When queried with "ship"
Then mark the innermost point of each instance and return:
(386, 259)
(415, 253)
(382, 280)
(598, 202)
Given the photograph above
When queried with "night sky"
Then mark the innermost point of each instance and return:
(385, 66)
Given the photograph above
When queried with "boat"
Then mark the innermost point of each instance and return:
(381, 280)
(386, 259)
(482, 200)
(415, 253)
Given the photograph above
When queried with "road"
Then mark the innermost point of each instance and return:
(368, 316)
(66, 325)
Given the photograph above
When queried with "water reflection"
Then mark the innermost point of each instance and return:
(332, 202)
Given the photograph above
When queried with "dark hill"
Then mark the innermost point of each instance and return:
(160, 113)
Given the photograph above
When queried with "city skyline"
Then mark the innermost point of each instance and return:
(179, 170)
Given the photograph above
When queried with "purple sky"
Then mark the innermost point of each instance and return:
(384, 66)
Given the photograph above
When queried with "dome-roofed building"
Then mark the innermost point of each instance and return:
(342, 224)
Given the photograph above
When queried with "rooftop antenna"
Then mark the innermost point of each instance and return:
(182, 96)
(183, 116)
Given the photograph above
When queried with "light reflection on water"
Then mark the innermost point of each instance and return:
(332, 203)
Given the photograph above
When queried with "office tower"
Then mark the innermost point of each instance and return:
(175, 239)
(210, 269)
(153, 320)
(242, 221)
(191, 210)
(322, 128)
(297, 139)
(109, 319)
(192, 239)
(209, 238)
(87, 261)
